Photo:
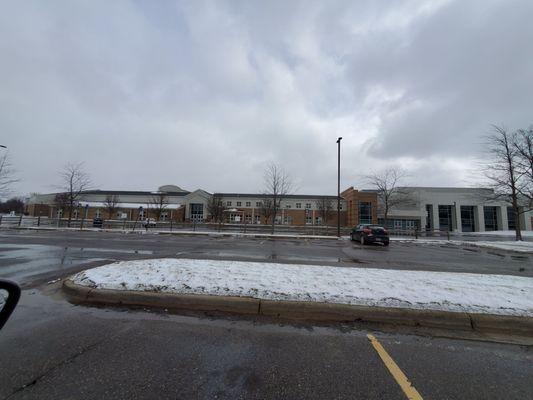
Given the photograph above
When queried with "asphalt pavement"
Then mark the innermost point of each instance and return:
(52, 349)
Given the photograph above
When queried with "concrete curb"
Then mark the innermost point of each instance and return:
(304, 311)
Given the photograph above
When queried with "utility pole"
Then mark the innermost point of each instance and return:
(339, 187)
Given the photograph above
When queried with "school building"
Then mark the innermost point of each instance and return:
(425, 208)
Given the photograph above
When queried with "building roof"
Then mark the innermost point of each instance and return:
(133, 192)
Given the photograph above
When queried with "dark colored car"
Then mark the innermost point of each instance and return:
(98, 222)
(367, 233)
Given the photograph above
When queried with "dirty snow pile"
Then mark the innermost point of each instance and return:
(520, 247)
(494, 294)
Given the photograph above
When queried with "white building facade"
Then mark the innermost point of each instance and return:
(456, 210)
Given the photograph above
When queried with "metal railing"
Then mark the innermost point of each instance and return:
(10, 221)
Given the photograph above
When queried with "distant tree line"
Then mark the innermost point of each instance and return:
(14, 204)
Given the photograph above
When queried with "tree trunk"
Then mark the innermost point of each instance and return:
(518, 231)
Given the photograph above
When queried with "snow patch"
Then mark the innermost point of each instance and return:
(458, 292)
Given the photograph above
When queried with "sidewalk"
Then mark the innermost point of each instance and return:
(313, 292)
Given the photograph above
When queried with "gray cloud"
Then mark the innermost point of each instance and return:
(204, 94)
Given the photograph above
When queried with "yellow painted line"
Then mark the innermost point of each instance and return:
(401, 379)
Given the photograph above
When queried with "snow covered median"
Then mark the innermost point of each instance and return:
(491, 294)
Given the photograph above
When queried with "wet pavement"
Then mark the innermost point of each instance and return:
(53, 349)
(34, 256)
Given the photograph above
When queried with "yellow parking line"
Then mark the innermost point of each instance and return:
(396, 372)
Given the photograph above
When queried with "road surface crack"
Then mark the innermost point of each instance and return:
(54, 368)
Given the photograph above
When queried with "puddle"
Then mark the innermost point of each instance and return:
(25, 262)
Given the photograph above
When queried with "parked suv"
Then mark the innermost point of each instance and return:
(368, 233)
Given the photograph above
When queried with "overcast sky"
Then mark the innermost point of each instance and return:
(205, 94)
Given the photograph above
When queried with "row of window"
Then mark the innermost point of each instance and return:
(259, 204)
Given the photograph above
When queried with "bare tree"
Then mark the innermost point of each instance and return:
(502, 171)
(110, 204)
(266, 210)
(524, 148)
(60, 202)
(325, 207)
(159, 201)
(278, 184)
(390, 194)
(216, 209)
(74, 181)
(7, 177)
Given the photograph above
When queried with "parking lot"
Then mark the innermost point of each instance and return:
(53, 349)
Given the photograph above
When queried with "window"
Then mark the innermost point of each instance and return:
(287, 206)
(239, 203)
(365, 212)
(98, 213)
(491, 218)
(308, 206)
(163, 216)
(467, 219)
(228, 203)
(410, 224)
(298, 205)
(234, 217)
(258, 204)
(445, 218)
(308, 220)
(511, 218)
(248, 219)
(257, 219)
(287, 220)
(248, 204)
(318, 220)
(197, 211)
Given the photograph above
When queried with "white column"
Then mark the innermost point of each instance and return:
(504, 221)
(457, 212)
(423, 220)
(436, 224)
(526, 219)
(480, 219)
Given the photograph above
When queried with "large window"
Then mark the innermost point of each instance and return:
(400, 224)
(491, 218)
(511, 218)
(197, 211)
(467, 219)
(365, 212)
(445, 218)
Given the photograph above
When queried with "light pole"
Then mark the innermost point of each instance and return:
(339, 187)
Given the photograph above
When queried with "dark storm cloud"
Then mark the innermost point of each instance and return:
(204, 94)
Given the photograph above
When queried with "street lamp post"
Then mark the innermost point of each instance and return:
(339, 187)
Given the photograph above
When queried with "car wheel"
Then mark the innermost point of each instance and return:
(363, 241)
(385, 243)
